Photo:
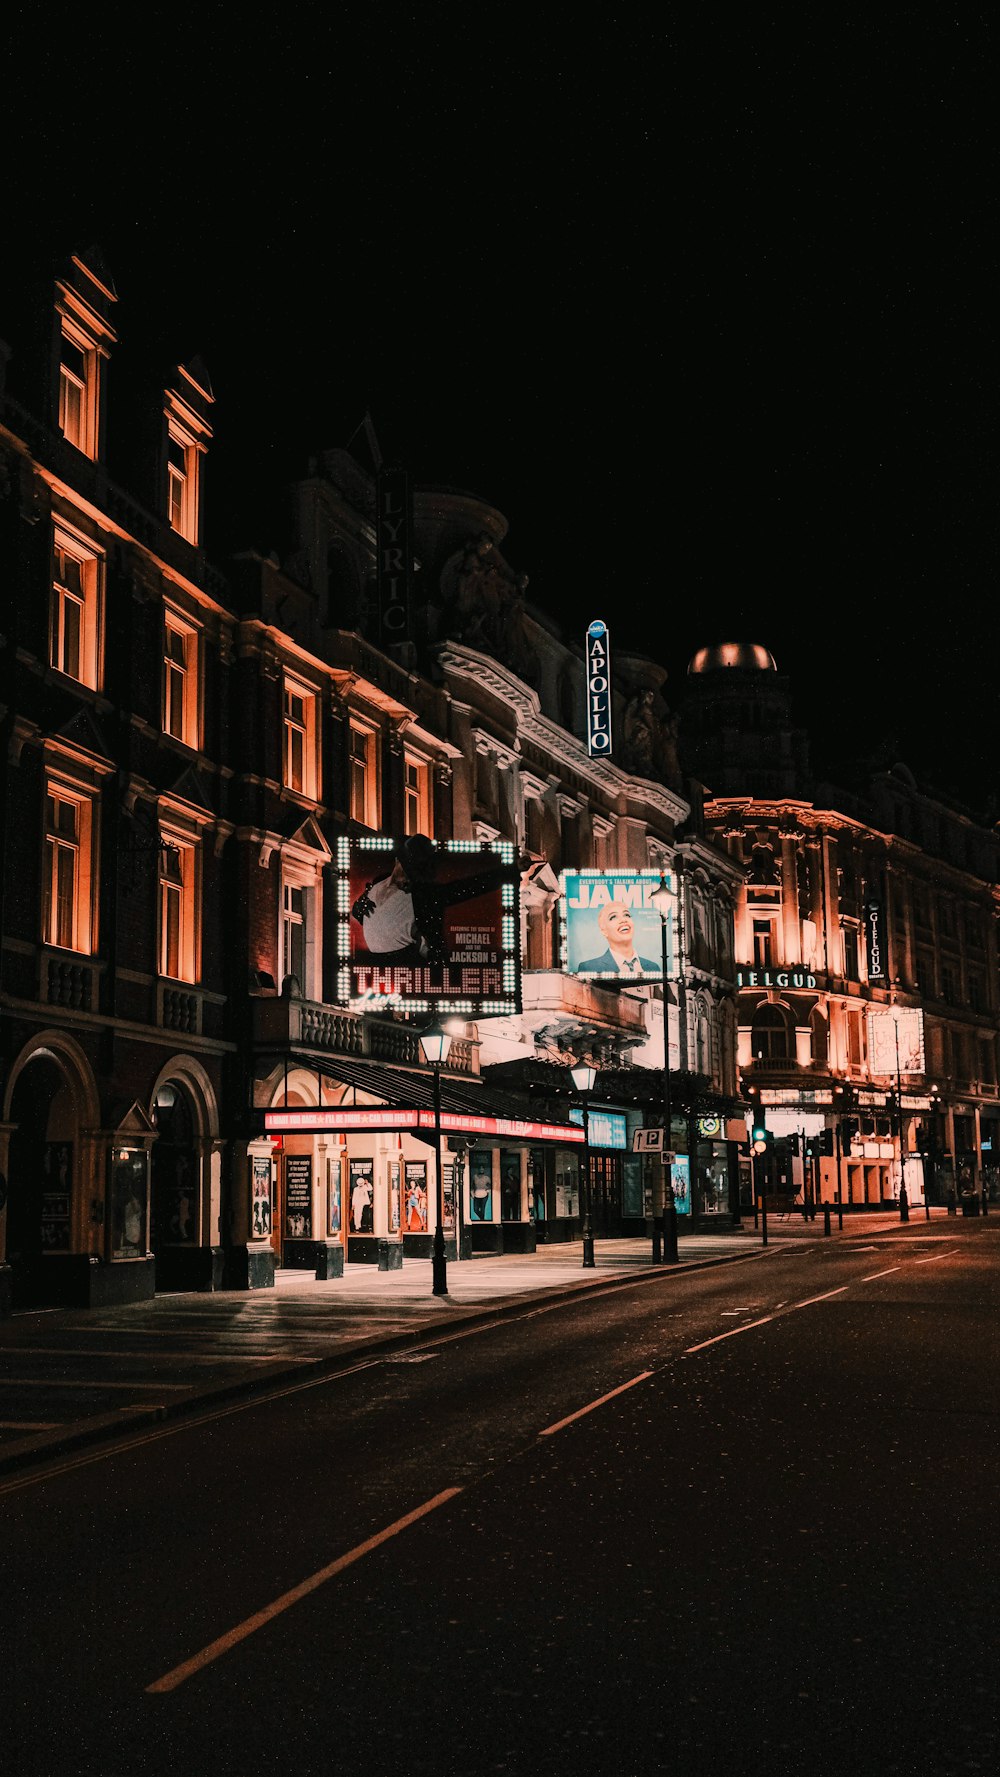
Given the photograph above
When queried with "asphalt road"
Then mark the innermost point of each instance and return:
(740, 1520)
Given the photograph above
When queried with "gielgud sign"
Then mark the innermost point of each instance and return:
(428, 925)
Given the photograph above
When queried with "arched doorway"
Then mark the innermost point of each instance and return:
(44, 1167)
(176, 1185)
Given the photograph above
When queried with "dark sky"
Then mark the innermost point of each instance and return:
(711, 318)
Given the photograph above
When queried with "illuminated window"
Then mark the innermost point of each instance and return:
(74, 616)
(66, 903)
(763, 943)
(363, 785)
(178, 907)
(183, 482)
(75, 373)
(770, 1040)
(300, 738)
(180, 679)
(299, 940)
(416, 796)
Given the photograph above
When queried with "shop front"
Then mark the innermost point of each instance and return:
(358, 1182)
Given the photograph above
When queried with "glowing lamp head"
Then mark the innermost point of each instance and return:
(435, 1043)
(583, 1077)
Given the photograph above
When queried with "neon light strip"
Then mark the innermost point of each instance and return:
(316, 1121)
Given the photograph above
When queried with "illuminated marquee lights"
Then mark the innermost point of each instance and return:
(461, 998)
(359, 1118)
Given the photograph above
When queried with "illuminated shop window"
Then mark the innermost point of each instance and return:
(74, 614)
(180, 679)
(363, 775)
(300, 738)
(179, 944)
(416, 796)
(67, 890)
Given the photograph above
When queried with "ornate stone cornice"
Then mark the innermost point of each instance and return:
(560, 746)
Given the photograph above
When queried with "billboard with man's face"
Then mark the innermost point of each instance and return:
(429, 926)
(611, 928)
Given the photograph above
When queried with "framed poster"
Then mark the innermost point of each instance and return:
(260, 1197)
(361, 1182)
(611, 930)
(448, 1194)
(129, 1204)
(334, 1223)
(298, 1196)
(395, 1194)
(415, 1198)
(57, 1166)
(428, 925)
(510, 1184)
(481, 1185)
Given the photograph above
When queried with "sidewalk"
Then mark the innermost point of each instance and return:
(74, 1377)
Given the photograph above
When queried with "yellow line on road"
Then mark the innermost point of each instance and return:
(549, 1429)
(936, 1256)
(733, 1333)
(215, 1649)
(825, 1297)
(873, 1274)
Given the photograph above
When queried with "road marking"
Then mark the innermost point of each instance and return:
(732, 1334)
(825, 1297)
(936, 1256)
(215, 1649)
(872, 1275)
(30, 1424)
(549, 1429)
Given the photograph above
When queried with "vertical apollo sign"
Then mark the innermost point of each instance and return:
(598, 651)
(394, 564)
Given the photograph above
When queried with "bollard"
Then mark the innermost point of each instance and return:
(826, 1218)
(904, 1205)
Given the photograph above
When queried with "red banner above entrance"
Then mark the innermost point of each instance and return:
(350, 1119)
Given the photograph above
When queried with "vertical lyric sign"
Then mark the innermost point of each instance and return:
(394, 565)
(875, 941)
(598, 656)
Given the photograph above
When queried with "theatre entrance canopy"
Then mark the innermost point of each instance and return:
(405, 1101)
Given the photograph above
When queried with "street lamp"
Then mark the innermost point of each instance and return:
(583, 1077)
(663, 900)
(904, 1201)
(435, 1043)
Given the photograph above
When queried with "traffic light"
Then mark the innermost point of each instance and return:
(826, 1143)
(760, 1138)
(793, 1142)
(848, 1132)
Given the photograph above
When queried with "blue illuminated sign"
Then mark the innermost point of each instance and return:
(598, 647)
(607, 1128)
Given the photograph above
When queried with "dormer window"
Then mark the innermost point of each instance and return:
(83, 299)
(74, 375)
(187, 400)
(182, 485)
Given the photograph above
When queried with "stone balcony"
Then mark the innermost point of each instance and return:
(293, 1023)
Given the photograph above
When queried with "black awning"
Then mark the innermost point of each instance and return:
(404, 1088)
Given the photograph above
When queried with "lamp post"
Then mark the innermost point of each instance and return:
(435, 1043)
(663, 900)
(904, 1201)
(583, 1077)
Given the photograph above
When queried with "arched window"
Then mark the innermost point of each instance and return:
(770, 1039)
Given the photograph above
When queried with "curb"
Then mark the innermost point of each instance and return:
(112, 1427)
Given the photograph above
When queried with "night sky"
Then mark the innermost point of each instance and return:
(711, 319)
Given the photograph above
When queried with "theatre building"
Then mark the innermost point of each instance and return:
(264, 818)
(865, 951)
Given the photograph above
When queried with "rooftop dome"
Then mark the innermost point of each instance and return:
(749, 656)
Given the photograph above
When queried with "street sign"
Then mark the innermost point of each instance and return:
(647, 1141)
(650, 1141)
